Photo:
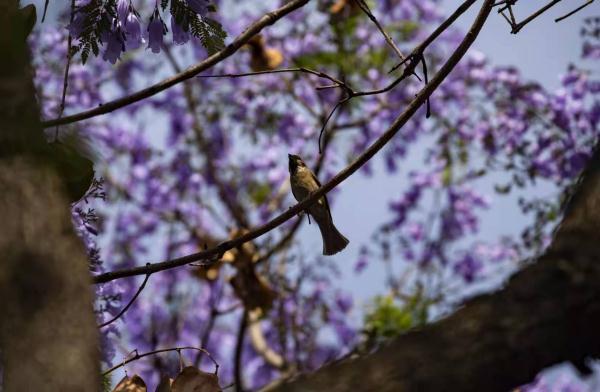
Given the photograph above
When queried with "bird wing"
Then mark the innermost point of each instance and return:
(324, 197)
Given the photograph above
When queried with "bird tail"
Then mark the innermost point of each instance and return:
(333, 240)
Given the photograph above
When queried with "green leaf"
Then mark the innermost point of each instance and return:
(447, 176)
(319, 58)
(209, 32)
(259, 193)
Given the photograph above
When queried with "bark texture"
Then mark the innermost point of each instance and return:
(48, 335)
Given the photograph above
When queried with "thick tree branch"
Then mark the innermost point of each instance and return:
(213, 254)
(48, 335)
(238, 42)
(546, 314)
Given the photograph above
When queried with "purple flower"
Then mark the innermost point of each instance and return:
(344, 302)
(468, 267)
(114, 46)
(180, 36)
(361, 263)
(198, 6)
(123, 8)
(133, 31)
(156, 30)
(76, 27)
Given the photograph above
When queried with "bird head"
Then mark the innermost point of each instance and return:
(295, 161)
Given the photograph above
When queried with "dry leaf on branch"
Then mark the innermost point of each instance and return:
(133, 384)
(192, 379)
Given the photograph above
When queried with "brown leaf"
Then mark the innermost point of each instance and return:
(133, 384)
(192, 379)
(165, 384)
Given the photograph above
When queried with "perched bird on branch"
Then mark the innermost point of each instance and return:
(304, 182)
(263, 58)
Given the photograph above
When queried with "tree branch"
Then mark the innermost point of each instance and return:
(164, 350)
(137, 293)
(260, 345)
(365, 8)
(238, 42)
(574, 11)
(239, 348)
(517, 27)
(214, 254)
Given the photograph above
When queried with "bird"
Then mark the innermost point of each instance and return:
(263, 57)
(303, 183)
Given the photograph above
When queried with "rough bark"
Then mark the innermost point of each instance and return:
(547, 313)
(48, 335)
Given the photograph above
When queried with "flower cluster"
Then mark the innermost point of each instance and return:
(117, 26)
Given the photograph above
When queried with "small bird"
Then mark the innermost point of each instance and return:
(263, 57)
(304, 182)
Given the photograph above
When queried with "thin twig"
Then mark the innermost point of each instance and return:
(508, 3)
(204, 339)
(424, 63)
(512, 15)
(239, 348)
(66, 76)
(337, 83)
(365, 8)
(373, 149)
(337, 105)
(438, 31)
(164, 350)
(574, 11)
(507, 19)
(255, 28)
(130, 302)
(46, 9)
(516, 28)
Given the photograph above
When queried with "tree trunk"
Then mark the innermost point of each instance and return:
(48, 334)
